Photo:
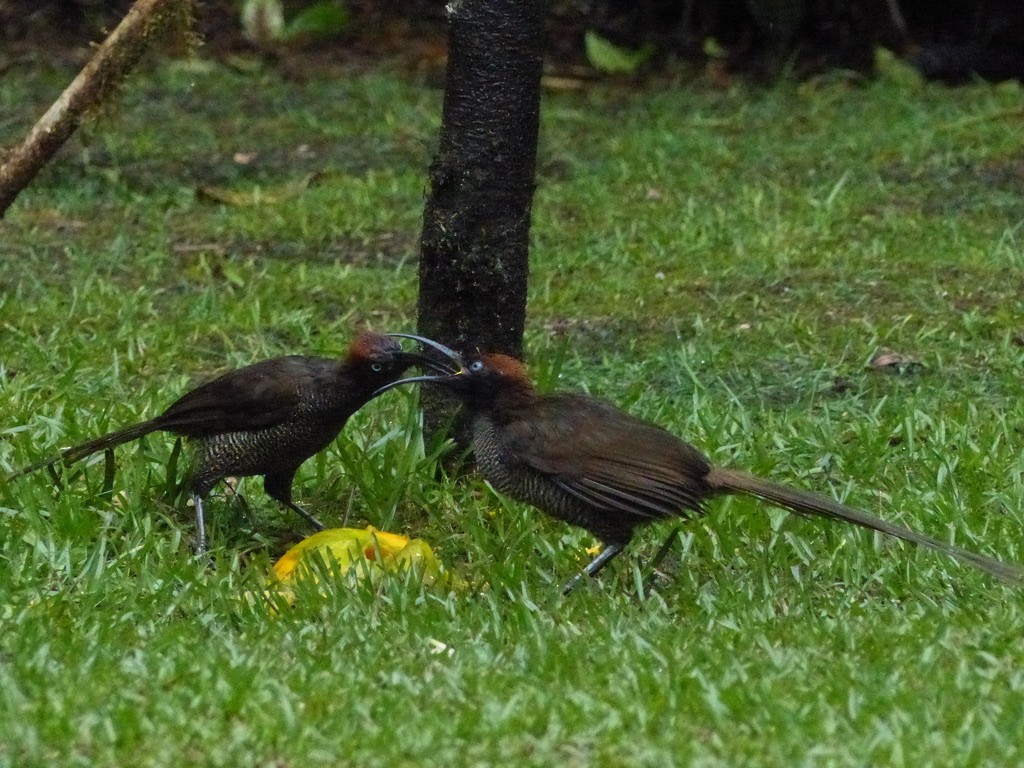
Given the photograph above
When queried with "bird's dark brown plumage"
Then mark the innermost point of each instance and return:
(264, 419)
(593, 465)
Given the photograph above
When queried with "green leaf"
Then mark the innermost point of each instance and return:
(713, 49)
(894, 70)
(610, 58)
(317, 22)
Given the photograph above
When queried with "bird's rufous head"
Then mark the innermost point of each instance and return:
(498, 369)
(369, 347)
(475, 378)
(489, 382)
(376, 360)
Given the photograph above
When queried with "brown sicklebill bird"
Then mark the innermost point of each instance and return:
(591, 464)
(264, 419)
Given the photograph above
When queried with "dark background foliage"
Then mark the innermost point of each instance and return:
(953, 40)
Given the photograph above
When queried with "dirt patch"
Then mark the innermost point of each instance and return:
(385, 249)
(940, 188)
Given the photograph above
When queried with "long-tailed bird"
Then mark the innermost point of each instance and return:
(593, 465)
(264, 419)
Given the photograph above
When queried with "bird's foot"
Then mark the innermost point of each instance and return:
(604, 557)
(201, 547)
(317, 525)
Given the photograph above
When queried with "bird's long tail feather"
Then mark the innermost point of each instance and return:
(78, 452)
(735, 481)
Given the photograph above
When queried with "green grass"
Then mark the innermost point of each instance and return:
(725, 264)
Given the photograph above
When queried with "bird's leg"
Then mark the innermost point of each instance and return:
(197, 501)
(664, 550)
(278, 486)
(659, 556)
(305, 515)
(606, 556)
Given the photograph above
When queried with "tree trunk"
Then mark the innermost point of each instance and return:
(476, 222)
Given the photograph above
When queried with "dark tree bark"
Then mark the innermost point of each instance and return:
(474, 249)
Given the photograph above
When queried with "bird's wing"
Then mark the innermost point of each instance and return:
(255, 397)
(609, 459)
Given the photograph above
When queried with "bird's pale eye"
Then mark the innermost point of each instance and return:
(477, 366)
(376, 367)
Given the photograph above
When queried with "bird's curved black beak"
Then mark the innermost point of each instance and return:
(446, 369)
(410, 359)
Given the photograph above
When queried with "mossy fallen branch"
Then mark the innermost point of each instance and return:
(146, 21)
